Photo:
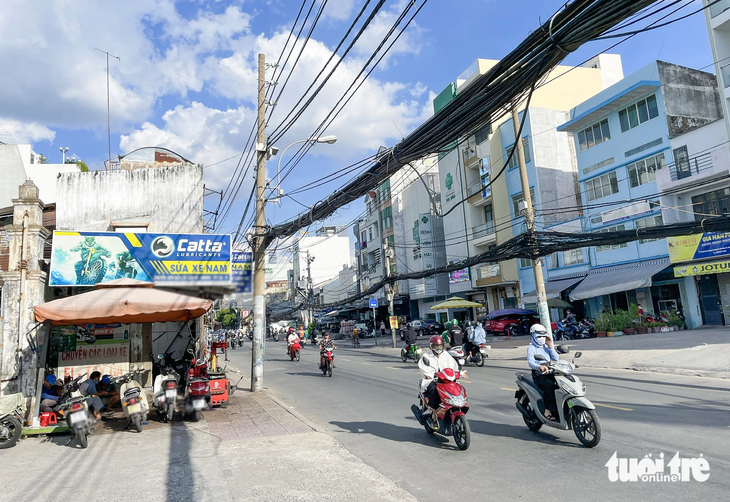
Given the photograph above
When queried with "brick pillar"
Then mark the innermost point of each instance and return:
(23, 288)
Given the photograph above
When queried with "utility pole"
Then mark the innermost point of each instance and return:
(390, 288)
(108, 119)
(259, 279)
(542, 306)
(310, 291)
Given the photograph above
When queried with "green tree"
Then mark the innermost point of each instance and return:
(228, 318)
(82, 166)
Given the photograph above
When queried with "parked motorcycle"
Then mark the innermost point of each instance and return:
(574, 410)
(197, 390)
(518, 328)
(411, 351)
(134, 401)
(329, 362)
(451, 412)
(77, 414)
(165, 390)
(12, 411)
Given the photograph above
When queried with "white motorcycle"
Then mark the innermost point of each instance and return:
(574, 410)
(134, 401)
(79, 417)
(165, 391)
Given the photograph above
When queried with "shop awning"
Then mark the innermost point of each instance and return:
(607, 280)
(552, 289)
(124, 302)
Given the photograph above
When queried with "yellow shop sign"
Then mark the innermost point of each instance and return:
(710, 267)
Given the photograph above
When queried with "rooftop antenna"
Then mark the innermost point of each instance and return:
(108, 120)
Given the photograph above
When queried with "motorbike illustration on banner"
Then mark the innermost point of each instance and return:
(89, 258)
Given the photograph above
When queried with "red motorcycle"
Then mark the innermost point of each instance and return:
(197, 390)
(294, 350)
(451, 412)
(329, 362)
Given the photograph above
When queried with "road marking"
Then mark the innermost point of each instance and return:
(392, 368)
(466, 381)
(614, 407)
(368, 364)
(345, 359)
(507, 388)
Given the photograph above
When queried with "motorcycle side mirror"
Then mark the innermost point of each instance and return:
(539, 357)
(578, 354)
(562, 349)
(160, 356)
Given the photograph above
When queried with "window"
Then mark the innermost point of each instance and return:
(644, 171)
(594, 135)
(553, 261)
(611, 246)
(516, 199)
(363, 236)
(525, 263)
(384, 190)
(638, 113)
(712, 203)
(681, 162)
(602, 186)
(370, 233)
(514, 162)
(651, 221)
(483, 133)
(489, 218)
(386, 217)
(572, 257)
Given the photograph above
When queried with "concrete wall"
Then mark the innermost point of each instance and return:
(169, 200)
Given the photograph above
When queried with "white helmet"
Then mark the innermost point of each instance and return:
(537, 328)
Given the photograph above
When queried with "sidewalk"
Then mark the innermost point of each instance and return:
(255, 450)
(701, 352)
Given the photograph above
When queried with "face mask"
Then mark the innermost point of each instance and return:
(539, 340)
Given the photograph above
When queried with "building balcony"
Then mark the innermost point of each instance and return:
(707, 166)
(478, 196)
(489, 274)
(483, 234)
(718, 8)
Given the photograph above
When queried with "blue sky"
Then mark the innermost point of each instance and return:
(186, 78)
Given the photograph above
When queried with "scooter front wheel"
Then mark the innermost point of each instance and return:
(329, 369)
(83, 439)
(137, 421)
(586, 426)
(462, 432)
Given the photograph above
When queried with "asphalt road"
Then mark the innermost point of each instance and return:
(366, 406)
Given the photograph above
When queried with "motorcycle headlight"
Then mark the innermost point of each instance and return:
(566, 388)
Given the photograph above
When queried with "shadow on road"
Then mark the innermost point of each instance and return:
(180, 482)
(393, 432)
(522, 433)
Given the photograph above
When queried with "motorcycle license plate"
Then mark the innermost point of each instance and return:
(170, 393)
(75, 418)
(198, 404)
(134, 408)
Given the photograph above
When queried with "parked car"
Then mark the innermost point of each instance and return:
(498, 320)
(427, 327)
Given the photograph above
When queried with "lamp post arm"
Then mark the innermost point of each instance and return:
(278, 164)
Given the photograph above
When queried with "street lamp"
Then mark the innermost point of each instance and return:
(330, 140)
(63, 153)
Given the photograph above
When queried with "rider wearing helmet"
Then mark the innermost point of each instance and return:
(456, 334)
(411, 335)
(542, 344)
(430, 364)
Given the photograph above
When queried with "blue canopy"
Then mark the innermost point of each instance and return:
(499, 313)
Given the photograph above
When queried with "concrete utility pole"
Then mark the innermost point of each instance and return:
(259, 271)
(390, 289)
(542, 306)
(310, 291)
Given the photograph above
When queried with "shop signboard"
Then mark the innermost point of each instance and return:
(698, 246)
(458, 276)
(241, 269)
(702, 268)
(88, 258)
(96, 347)
(625, 212)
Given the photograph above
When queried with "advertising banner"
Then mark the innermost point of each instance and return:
(241, 271)
(89, 348)
(625, 212)
(698, 246)
(427, 252)
(458, 276)
(88, 258)
(703, 268)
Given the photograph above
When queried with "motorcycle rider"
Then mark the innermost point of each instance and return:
(477, 336)
(411, 336)
(456, 334)
(542, 344)
(325, 344)
(293, 337)
(430, 364)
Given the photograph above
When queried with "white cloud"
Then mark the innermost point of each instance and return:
(14, 131)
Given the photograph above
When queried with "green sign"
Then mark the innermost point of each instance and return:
(449, 181)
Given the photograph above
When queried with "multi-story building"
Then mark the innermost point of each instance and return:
(479, 216)
(623, 138)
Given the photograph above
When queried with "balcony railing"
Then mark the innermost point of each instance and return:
(475, 189)
(482, 230)
(488, 271)
(719, 7)
(691, 167)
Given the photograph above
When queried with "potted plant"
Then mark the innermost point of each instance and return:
(603, 324)
(642, 328)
